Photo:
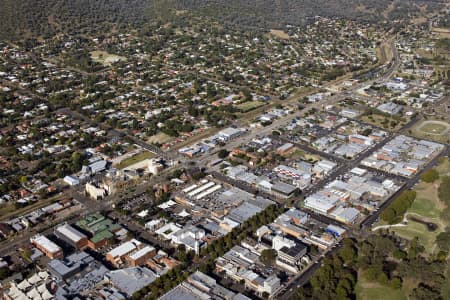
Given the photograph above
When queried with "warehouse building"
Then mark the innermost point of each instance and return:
(71, 236)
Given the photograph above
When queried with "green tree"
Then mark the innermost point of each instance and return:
(268, 256)
(223, 153)
(430, 176)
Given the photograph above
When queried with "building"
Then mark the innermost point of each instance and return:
(95, 192)
(283, 190)
(71, 236)
(289, 257)
(49, 248)
(191, 237)
(199, 286)
(134, 252)
(390, 108)
(321, 203)
(335, 230)
(285, 148)
(130, 280)
(155, 166)
(101, 229)
(70, 266)
(72, 180)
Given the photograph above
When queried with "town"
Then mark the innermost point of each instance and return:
(203, 163)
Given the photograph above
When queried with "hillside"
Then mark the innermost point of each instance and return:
(32, 18)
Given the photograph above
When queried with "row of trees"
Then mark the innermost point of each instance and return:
(394, 213)
(205, 261)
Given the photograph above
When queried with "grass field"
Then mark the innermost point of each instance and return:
(436, 130)
(415, 229)
(248, 106)
(427, 202)
(134, 159)
(105, 58)
(367, 290)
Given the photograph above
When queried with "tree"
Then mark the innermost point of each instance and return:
(4, 273)
(348, 251)
(399, 254)
(443, 241)
(268, 256)
(223, 153)
(395, 283)
(430, 176)
(23, 179)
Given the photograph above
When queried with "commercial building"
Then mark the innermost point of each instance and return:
(133, 251)
(102, 229)
(130, 280)
(199, 286)
(48, 247)
(321, 203)
(71, 236)
(70, 266)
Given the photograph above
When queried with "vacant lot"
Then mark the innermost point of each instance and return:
(160, 138)
(134, 159)
(279, 33)
(105, 58)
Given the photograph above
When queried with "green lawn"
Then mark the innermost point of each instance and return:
(134, 159)
(248, 106)
(415, 229)
(425, 207)
(427, 203)
(366, 290)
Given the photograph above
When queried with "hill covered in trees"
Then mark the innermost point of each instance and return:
(19, 18)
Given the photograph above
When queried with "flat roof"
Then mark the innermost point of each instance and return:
(142, 252)
(125, 248)
(70, 233)
(44, 242)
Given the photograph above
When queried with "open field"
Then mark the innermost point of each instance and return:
(416, 229)
(443, 32)
(434, 127)
(134, 159)
(160, 137)
(248, 106)
(366, 290)
(105, 58)
(436, 130)
(279, 33)
(427, 202)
